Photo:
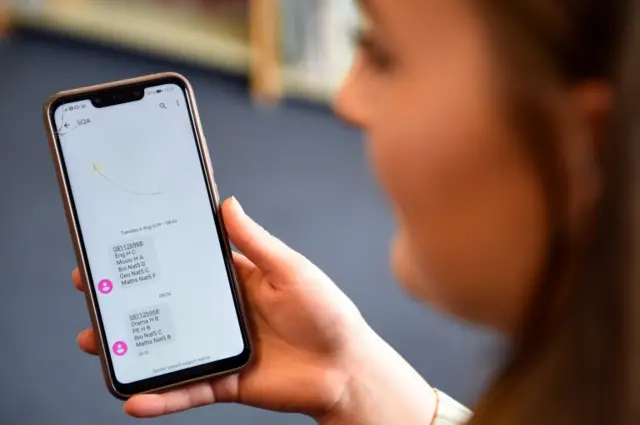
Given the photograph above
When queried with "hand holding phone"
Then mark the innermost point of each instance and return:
(160, 280)
(309, 338)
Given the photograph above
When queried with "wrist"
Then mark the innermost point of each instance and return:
(382, 388)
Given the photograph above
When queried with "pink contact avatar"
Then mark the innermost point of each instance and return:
(105, 286)
(120, 348)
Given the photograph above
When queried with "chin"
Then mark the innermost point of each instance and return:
(429, 290)
(407, 270)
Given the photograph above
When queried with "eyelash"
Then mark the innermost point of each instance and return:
(374, 54)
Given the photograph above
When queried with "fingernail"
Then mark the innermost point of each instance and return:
(237, 205)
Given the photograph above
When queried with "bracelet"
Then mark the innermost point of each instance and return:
(435, 411)
(449, 411)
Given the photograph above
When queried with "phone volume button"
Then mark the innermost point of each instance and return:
(216, 193)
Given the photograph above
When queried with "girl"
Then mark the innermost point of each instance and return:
(505, 134)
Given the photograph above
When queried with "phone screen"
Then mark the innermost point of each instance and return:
(150, 234)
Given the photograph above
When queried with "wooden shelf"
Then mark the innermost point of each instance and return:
(216, 40)
(203, 40)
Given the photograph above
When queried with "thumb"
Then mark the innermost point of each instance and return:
(267, 252)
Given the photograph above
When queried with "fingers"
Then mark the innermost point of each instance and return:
(88, 342)
(154, 405)
(146, 406)
(245, 269)
(77, 280)
(267, 252)
(189, 397)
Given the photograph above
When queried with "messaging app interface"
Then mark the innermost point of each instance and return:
(148, 229)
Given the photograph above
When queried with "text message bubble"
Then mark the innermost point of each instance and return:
(136, 262)
(150, 327)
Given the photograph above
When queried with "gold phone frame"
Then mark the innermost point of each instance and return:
(77, 242)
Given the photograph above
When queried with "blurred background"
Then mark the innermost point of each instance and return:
(264, 73)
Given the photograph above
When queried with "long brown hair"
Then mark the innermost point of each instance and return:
(580, 365)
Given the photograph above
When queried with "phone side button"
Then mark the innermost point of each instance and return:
(210, 168)
(216, 193)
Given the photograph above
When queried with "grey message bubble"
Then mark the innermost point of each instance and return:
(136, 262)
(151, 326)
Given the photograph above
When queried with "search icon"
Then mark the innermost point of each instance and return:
(163, 106)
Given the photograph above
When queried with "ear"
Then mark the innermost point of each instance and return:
(590, 104)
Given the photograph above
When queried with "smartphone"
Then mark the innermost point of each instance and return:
(143, 212)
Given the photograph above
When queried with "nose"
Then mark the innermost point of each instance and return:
(351, 102)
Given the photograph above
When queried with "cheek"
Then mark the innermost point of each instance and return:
(423, 159)
(470, 208)
(422, 146)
